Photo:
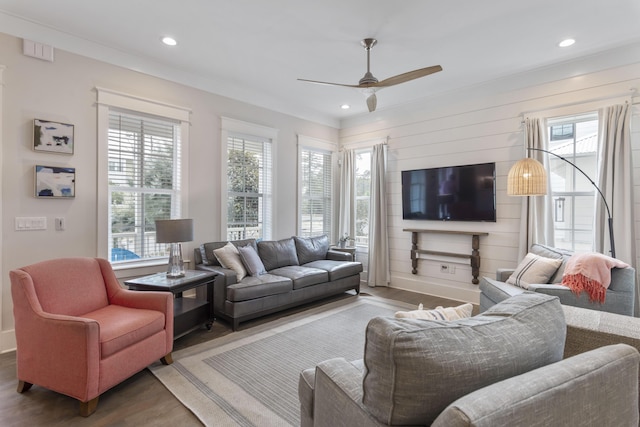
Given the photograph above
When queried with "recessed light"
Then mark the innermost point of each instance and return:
(169, 41)
(566, 42)
(345, 106)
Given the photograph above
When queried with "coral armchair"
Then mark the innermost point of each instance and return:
(80, 333)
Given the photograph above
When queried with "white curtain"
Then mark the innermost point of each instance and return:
(536, 220)
(378, 267)
(347, 200)
(615, 179)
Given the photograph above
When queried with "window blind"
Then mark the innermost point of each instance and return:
(316, 185)
(249, 192)
(144, 182)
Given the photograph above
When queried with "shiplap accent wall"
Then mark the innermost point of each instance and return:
(482, 125)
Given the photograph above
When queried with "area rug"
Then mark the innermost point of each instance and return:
(250, 377)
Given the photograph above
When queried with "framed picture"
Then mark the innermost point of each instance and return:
(52, 137)
(55, 182)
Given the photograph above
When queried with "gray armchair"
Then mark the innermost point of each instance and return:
(621, 296)
(501, 368)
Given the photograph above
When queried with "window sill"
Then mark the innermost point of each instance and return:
(129, 270)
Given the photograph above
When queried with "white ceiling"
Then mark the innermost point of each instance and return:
(254, 50)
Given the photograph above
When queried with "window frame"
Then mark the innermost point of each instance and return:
(315, 145)
(233, 127)
(107, 100)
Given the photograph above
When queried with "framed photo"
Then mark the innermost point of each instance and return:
(55, 182)
(52, 137)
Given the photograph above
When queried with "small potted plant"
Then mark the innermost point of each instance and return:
(342, 241)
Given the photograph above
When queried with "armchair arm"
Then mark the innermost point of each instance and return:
(225, 278)
(502, 274)
(72, 368)
(339, 255)
(338, 396)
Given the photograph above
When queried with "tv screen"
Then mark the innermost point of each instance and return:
(455, 193)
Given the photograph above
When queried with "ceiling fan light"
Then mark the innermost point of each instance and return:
(372, 102)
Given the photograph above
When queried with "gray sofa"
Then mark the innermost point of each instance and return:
(501, 368)
(298, 270)
(620, 297)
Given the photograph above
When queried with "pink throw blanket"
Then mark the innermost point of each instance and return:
(590, 273)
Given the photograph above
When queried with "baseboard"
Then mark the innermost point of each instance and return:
(420, 286)
(7, 341)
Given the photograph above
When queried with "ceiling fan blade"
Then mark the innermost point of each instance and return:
(327, 83)
(372, 101)
(408, 76)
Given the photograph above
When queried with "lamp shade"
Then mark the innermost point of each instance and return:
(174, 230)
(527, 178)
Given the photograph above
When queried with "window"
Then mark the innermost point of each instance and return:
(576, 139)
(144, 182)
(315, 192)
(140, 175)
(248, 187)
(247, 173)
(363, 197)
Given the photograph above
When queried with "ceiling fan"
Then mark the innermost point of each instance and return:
(370, 84)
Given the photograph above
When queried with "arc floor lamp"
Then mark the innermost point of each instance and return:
(528, 177)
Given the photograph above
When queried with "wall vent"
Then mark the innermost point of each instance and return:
(37, 50)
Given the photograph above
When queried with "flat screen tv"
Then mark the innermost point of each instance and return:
(454, 193)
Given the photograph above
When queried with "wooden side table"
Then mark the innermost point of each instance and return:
(188, 313)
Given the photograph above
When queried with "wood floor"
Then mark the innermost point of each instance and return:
(141, 400)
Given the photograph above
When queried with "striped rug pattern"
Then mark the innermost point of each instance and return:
(250, 377)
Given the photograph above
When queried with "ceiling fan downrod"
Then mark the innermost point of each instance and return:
(368, 78)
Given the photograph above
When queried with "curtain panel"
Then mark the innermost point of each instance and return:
(378, 268)
(347, 200)
(536, 220)
(615, 180)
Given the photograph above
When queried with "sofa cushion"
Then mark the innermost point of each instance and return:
(554, 253)
(229, 257)
(438, 313)
(533, 269)
(302, 276)
(311, 248)
(206, 249)
(279, 253)
(251, 261)
(415, 368)
(336, 269)
(120, 327)
(252, 287)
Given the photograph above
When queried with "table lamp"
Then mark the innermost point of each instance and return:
(174, 231)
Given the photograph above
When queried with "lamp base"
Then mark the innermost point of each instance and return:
(175, 268)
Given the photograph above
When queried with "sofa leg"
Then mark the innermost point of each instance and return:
(23, 386)
(167, 360)
(88, 408)
(234, 324)
(357, 288)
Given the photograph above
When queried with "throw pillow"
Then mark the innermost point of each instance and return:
(533, 269)
(438, 313)
(228, 257)
(251, 261)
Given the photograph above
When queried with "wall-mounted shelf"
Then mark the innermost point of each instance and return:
(475, 249)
